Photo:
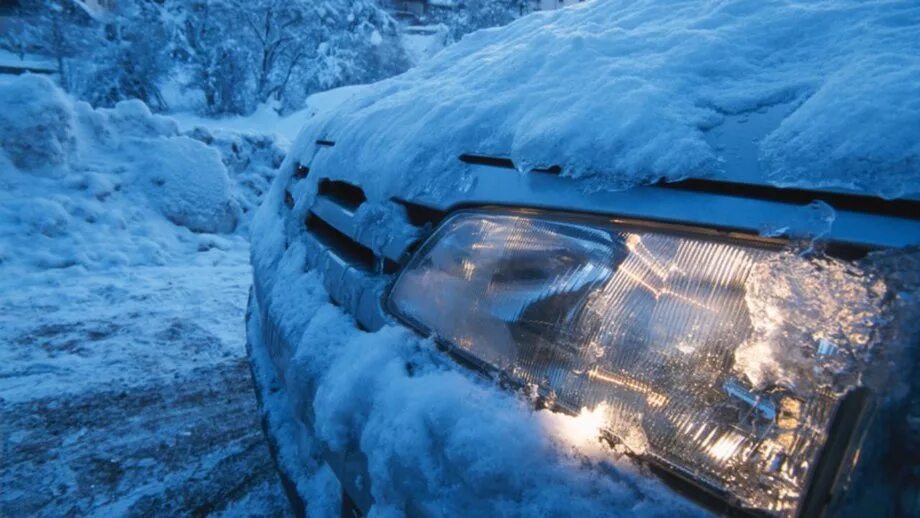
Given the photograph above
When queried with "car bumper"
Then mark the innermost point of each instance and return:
(288, 427)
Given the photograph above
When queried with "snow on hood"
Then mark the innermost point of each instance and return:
(624, 92)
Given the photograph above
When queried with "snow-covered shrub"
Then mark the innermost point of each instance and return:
(236, 53)
(188, 182)
(36, 124)
(131, 57)
(127, 119)
(471, 15)
(251, 161)
(242, 53)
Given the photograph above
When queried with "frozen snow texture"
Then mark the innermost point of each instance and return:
(619, 93)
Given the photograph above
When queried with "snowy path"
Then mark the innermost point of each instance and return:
(128, 392)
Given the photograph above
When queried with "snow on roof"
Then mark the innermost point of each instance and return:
(26, 62)
(624, 92)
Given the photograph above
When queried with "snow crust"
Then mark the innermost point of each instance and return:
(619, 93)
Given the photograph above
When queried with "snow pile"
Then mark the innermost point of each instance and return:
(192, 187)
(114, 187)
(122, 301)
(36, 126)
(619, 93)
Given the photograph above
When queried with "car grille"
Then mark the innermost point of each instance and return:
(356, 272)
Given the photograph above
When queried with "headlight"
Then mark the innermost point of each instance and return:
(656, 325)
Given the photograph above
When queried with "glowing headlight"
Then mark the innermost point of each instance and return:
(655, 325)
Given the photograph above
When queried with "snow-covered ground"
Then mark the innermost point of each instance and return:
(124, 274)
(128, 392)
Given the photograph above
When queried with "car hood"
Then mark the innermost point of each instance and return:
(616, 94)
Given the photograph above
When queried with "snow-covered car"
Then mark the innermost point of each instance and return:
(623, 258)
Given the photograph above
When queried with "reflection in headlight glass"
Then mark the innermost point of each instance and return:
(643, 324)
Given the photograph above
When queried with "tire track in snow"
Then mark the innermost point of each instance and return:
(190, 446)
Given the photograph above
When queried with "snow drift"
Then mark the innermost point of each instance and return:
(112, 187)
(623, 92)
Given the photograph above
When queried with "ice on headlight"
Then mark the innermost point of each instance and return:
(716, 358)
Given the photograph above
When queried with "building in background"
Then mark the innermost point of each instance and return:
(418, 9)
(546, 5)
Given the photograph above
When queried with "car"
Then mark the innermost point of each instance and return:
(678, 328)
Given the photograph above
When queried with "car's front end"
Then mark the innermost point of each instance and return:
(613, 259)
(744, 369)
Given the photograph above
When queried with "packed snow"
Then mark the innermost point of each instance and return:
(623, 92)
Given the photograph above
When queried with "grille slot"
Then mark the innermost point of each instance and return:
(346, 248)
(504, 163)
(301, 171)
(492, 161)
(343, 246)
(343, 193)
(421, 215)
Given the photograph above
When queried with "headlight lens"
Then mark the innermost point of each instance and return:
(651, 324)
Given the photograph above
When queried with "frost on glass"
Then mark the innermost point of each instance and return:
(721, 360)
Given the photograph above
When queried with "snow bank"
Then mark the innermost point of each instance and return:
(99, 188)
(36, 124)
(623, 92)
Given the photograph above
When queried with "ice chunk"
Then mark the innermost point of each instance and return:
(814, 320)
